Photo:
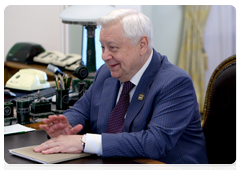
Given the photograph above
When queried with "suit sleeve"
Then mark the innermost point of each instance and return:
(80, 112)
(173, 107)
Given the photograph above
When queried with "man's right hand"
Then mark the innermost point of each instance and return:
(59, 125)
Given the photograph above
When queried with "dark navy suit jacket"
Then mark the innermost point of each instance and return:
(164, 126)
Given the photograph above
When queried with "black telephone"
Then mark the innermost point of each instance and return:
(24, 52)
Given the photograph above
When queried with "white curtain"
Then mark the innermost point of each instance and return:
(192, 57)
(219, 36)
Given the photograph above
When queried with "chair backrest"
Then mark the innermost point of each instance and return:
(219, 115)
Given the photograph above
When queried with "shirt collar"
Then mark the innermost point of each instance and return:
(136, 78)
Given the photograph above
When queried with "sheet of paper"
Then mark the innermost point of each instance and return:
(17, 128)
(28, 153)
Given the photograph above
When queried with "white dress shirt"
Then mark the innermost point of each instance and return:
(94, 141)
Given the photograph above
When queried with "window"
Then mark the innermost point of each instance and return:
(99, 61)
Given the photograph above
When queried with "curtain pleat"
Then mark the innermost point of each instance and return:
(192, 56)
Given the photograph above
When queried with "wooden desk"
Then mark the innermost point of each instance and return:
(151, 162)
(10, 68)
(34, 125)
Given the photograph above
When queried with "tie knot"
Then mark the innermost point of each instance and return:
(127, 87)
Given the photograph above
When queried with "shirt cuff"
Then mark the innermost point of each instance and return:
(93, 144)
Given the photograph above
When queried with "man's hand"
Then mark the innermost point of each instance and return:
(62, 143)
(59, 125)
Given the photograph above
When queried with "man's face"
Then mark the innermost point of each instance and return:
(122, 58)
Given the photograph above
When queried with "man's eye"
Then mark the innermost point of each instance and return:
(113, 48)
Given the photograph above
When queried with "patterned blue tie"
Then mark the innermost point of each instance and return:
(116, 118)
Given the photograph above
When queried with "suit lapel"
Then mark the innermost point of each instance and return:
(108, 101)
(143, 87)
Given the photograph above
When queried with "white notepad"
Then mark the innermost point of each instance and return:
(17, 128)
(28, 153)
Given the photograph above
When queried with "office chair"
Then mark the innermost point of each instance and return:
(219, 114)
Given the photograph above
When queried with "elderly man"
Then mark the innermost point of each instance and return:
(140, 105)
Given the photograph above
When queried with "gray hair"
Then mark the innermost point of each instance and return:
(135, 24)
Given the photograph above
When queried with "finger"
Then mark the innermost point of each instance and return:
(55, 149)
(53, 118)
(51, 131)
(62, 119)
(77, 128)
(44, 127)
(74, 130)
(46, 145)
(39, 148)
(56, 121)
(46, 121)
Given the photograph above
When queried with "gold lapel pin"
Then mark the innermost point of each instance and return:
(140, 97)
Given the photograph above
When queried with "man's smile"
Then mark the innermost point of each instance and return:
(112, 66)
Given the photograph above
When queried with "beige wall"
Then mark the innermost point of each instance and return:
(41, 24)
(167, 28)
(33, 23)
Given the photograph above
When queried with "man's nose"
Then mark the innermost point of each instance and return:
(106, 56)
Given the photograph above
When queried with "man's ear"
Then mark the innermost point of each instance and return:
(143, 45)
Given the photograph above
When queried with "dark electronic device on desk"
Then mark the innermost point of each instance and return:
(40, 108)
(46, 93)
(8, 107)
(38, 101)
(8, 112)
(80, 72)
(9, 94)
(24, 52)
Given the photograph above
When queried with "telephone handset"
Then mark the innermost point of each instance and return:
(28, 79)
(48, 57)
